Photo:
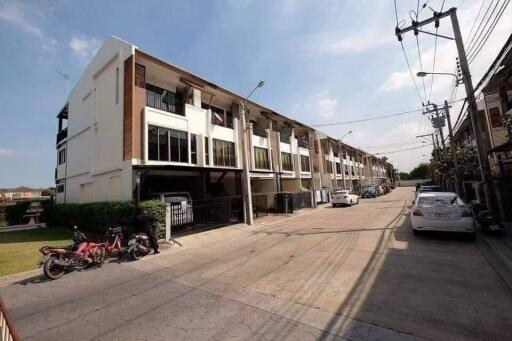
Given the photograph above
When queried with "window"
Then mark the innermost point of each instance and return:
(495, 117)
(220, 116)
(328, 166)
(286, 160)
(338, 168)
(61, 158)
(304, 163)
(117, 85)
(206, 151)
(261, 158)
(60, 187)
(223, 153)
(165, 100)
(193, 149)
(167, 144)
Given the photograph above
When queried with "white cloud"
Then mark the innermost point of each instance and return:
(349, 42)
(6, 152)
(323, 105)
(14, 13)
(83, 46)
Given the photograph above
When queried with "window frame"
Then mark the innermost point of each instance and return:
(285, 155)
(225, 147)
(61, 156)
(261, 156)
(182, 145)
(305, 160)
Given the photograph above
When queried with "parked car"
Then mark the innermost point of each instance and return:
(181, 206)
(441, 211)
(344, 197)
(369, 192)
(430, 188)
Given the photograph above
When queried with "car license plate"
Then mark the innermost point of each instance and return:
(494, 227)
(131, 242)
(440, 215)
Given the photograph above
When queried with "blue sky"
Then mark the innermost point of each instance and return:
(322, 61)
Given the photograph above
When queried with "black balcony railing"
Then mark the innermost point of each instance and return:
(284, 137)
(259, 132)
(61, 135)
(165, 100)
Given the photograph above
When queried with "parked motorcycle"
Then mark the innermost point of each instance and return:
(138, 245)
(484, 218)
(57, 260)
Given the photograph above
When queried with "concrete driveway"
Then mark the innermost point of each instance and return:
(354, 273)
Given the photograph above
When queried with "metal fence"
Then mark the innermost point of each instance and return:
(7, 330)
(205, 214)
(301, 200)
(260, 205)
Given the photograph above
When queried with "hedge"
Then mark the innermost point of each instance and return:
(94, 217)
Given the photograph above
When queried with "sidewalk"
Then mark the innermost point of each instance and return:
(498, 251)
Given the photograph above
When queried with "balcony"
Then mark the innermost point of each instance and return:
(165, 100)
(61, 135)
(302, 142)
(284, 137)
(259, 132)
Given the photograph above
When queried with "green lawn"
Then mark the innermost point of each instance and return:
(19, 251)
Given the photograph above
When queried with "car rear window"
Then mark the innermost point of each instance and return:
(440, 201)
(175, 198)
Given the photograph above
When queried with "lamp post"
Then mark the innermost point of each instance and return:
(450, 130)
(347, 133)
(247, 179)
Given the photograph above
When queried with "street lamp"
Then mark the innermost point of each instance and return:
(349, 132)
(247, 179)
(422, 74)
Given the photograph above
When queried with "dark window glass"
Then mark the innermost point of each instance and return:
(206, 151)
(193, 149)
(175, 146)
(229, 120)
(163, 99)
(304, 163)
(163, 144)
(261, 158)
(495, 115)
(338, 168)
(183, 141)
(62, 156)
(220, 117)
(223, 153)
(286, 160)
(153, 143)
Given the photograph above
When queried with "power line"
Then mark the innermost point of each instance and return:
(376, 117)
(403, 150)
(468, 45)
(489, 32)
(478, 32)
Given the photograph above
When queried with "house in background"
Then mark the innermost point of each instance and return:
(135, 125)
(21, 193)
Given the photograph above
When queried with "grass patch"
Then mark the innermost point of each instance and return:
(19, 250)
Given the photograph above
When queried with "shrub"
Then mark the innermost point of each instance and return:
(158, 209)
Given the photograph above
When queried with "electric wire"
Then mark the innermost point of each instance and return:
(476, 34)
(403, 150)
(475, 53)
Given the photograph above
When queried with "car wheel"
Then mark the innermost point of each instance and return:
(416, 232)
(333, 205)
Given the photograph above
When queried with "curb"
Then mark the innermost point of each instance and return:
(495, 259)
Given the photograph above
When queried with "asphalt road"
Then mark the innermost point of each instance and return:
(354, 273)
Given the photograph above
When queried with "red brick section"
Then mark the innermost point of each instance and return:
(134, 101)
(128, 109)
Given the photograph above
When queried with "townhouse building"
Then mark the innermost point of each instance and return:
(135, 125)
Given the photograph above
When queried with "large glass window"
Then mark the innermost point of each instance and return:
(304, 163)
(338, 168)
(167, 144)
(328, 166)
(286, 160)
(193, 149)
(62, 156)
(206, 151)
(223, 153)
(261, 158)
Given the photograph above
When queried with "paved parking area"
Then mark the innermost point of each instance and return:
(354, 273)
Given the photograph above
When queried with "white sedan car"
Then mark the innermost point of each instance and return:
(344, 197)
(441, 211)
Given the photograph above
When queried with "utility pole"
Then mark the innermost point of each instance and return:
(470, 96)
(433, 152)
(452, 148)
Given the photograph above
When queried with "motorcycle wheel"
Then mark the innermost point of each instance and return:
(51, 270)
(99, 257)
(136, 254)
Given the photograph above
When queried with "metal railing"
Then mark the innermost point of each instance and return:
(301, 200)
(260, 204)
(204, 214)
(284, 137)
(61, 135)
(7, 330)
(167, 103)
(259, 132)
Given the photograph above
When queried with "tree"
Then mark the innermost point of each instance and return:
(421, 171)
(403, 176)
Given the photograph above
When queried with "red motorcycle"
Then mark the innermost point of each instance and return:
(56, 261)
